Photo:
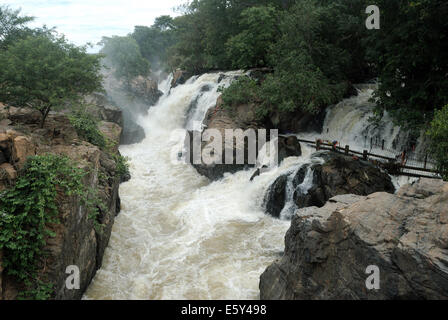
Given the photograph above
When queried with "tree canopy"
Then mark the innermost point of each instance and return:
(123, 55)
(12, 26)
(46, 72)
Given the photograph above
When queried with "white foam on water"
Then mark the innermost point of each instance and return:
(179, 236)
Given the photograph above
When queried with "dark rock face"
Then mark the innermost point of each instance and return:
(133, 133)
(179, 77)
(241, 117)
(287, 147)
(296, 121)
(146, 90)
(276, 196)
(328, 249)
(338, 175)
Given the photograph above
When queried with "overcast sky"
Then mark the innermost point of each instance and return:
(85, 21)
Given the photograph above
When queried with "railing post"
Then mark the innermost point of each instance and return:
(426, 160)
(364, 155)
(318, 144)
(382, 145)
(347, 149)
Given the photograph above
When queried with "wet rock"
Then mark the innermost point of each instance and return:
(145, 89)
(328, 249)
(339, 174)
(179, 77)
(288, 147)
(133, 133)
(241, 118)
(276, 196)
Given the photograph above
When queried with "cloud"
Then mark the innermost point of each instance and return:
(85, 21)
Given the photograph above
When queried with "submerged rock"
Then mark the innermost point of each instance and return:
(337, 175)
(328, 249)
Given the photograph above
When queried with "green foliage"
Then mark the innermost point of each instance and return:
(30, 206)
(410, 53)
(123, 55)
(250, 47)
(12, 26)
(243, 90)
(309, 62)
(202, 32)
(154, 41)
(122, 163)
(438, 133)
(46, 72)
(87, 128)
(39, 290)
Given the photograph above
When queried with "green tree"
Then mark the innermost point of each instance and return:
(154, 41)
(250, 47)
(46, 72)
(438, 133)
(410, 53)
(12, 26)
(124, 56)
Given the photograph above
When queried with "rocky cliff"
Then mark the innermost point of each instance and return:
(134, 98)
(328, 249)
(76, 240)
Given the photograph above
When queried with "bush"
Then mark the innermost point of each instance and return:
(438, 133)
(122, 166)
(87, 128)
(244, 90)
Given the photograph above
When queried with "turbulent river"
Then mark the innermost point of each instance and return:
(179, 236)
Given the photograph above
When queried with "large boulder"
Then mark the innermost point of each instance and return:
(179, 77)
(328, 250)
(103, 109)
(241, 117)
(145, 89)
(286, 147)
(19, 115)
(329, 174)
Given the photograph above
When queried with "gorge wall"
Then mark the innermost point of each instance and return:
(76, 240)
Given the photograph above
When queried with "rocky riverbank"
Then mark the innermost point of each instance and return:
(329, 174)
(76, 241)
(328, 249)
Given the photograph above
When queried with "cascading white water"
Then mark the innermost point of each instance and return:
(178, 236)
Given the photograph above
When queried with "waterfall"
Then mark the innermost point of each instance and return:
(179, 236)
